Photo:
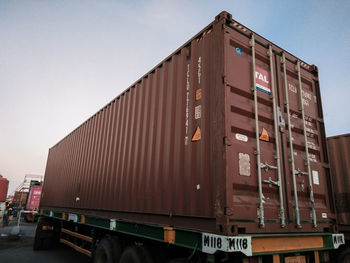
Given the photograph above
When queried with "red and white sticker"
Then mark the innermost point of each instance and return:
(262, 79)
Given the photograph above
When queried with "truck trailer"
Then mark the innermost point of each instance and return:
(339, 155)
(217, 154)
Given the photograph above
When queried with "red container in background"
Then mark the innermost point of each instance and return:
(34, 198)
(339, 158)
(4, 186)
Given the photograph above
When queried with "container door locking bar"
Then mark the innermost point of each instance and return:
(290, 138)
(257, 152)
(277, 156)
(307, 161)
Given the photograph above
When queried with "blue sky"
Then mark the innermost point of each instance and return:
(61, 61)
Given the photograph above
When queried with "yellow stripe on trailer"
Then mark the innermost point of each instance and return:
(278, 244)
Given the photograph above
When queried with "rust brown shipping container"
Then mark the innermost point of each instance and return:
(179, 147)
(4, 186)
(20, 197)
(339, 158)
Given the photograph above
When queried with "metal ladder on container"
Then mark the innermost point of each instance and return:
(265, 165)
(298, 172)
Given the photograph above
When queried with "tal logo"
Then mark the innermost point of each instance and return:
(261, 77)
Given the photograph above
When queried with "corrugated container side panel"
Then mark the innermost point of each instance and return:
(71, 172)
(151, 142)
(115, 150)
(120, 141)
(102, 181)
(91, 162)
(339, 158)
(178, 180)
(132, 162)
(129, 148)
(75, 163)
(131, 156)
(84, 157)
(156, 125)
(162, 72)
(107, 153)
(99, 176)
(125, 139)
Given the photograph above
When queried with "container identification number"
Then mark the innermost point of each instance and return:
(211, 243)
(338, 239)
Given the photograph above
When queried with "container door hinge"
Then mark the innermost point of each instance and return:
(228, 211)
(281, 121)
(227, 141)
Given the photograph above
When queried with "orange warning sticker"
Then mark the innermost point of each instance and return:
(198, 94)
(264, 136)
(197, 135)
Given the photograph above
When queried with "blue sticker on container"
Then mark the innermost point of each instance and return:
(238, 51)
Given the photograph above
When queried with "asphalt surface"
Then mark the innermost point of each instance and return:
(16, 247)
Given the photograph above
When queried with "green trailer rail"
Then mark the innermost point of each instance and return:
(249, 245)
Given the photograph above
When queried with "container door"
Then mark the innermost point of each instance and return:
(309, 190)
(277, 179)
(256, 198)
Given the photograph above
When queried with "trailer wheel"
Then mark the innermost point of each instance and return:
(45, 239)
(179, 260)
(104, 252)
(117, 249)
(136, 254)
(344, 257)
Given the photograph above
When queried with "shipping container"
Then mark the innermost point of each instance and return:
(4, 186)
(20, 197)
(34, 198)
(224, 137)
(339, 158)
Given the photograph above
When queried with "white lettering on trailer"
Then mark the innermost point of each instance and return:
(113, 224)
(73, 217)
(211, 243)
(338, 239)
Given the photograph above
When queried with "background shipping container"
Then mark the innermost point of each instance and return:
(339, 154)
(4, 185)
(191, 145)
(34, 196)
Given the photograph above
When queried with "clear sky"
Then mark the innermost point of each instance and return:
(61, 61)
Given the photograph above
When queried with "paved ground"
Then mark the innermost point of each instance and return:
(16, 247)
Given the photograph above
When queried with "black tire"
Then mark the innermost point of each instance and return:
(37, 244)
(179, 260)
(344, 257)
(45, 239)
(136, 254)
(104, 252)
(117, 248)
